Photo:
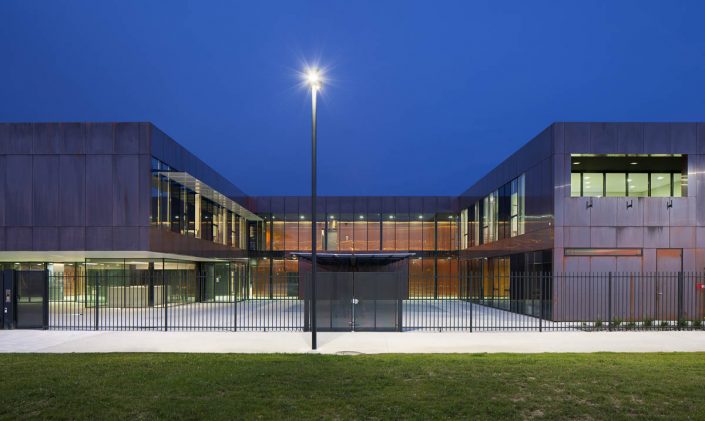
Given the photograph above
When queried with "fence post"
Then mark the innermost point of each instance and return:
(541, 280)
(236, 282)
(97, 303)
(165, 298)
(609, 302)
(679, 322)
(470, 296)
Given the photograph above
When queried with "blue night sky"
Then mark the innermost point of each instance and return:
(424, 97)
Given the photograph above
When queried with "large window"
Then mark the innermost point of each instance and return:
(489, 218)
(501, 214)
(628, 176)
(517, 203)
(180, 209)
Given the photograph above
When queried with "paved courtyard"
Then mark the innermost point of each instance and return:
(431, 315)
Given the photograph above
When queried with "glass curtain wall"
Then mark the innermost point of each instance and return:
(140, 283)
(499, 215)
(183, 211)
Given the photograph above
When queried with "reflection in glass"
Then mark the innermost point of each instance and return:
(638, 184)
(575, 184)
(332, 232)
(679, 180)
(345, 235)
(660, 185)
(373, 233)
(416, 235)
(444, 235)
(304, 235)
(402, 232)
(616, 184)
(360, 234)
(388, 234)
(593, 184)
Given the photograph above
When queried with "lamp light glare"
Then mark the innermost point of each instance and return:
(314, 78)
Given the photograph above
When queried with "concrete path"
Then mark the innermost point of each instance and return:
(343, 343)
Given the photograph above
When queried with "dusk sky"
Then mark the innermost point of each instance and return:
(422, 98)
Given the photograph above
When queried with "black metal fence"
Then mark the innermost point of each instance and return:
(473, 302)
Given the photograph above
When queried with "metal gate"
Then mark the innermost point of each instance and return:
(359, 301)
(31, 299)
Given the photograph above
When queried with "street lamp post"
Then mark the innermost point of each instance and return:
(314, 81)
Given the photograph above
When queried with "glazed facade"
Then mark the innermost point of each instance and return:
(124, 198)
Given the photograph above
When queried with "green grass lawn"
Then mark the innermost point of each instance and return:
(133, 386)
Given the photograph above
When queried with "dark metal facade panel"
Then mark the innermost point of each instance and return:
(355, 205)
(18, 238)
(347, 206)
(630, 138)
(45, 190)
(402, 205)
(416, 204)
(20, 138)
(45, 238)
(126, 190)
(18, 190)
(4, 138)
(558, 130)
(305, 205)
(99, 138)
(144, 196)
(99, 238)
(291, 207)
(683, 138)
(3, 198)
(361, 206)
(428, 205)
(701, 138)
(127, 138)
(99, 190)
(47, 138)
(576, 137)
(73, 140)
(388, 205)
(72, 238)
(72, 197)
(126, 238)
(145, 146)
(657, 138)
(332, 205)
(374, 205)
(699, 190)
(603, 137)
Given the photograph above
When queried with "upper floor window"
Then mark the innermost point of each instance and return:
(501, 214)
(628, 175)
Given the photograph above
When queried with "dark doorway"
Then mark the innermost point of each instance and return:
(357, 292)
(31, 300)
(359, 301)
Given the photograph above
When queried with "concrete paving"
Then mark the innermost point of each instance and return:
(285, 314)
(33, 341)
